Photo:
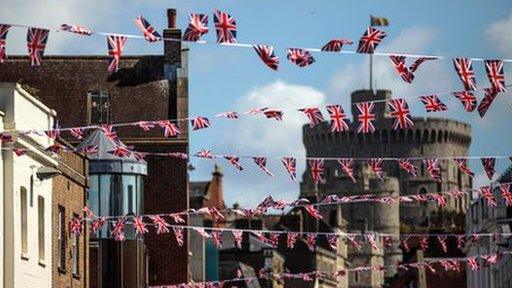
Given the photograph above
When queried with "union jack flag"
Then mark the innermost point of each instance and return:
(291, 238)
(139, 155)
(170, 129)
(347, 166)
(55, 148)
(467, 99)
(179, 155)
(115, 50)
(489, 164)
(149, 32)
(255, 111)
(203, 153)
(202, 233)
(442, 242)
(217, 239)
(200, 123)
(370, 40)
(118, 229)
(267, 55)
(311, 241)
(439, 198)
(146, 125)
(505, 194)
(434, 169)
(78, 133)
(314, 115)
(238, 236)
(489, 96)
(376, 166)
(234, 161)
(353, 241)
(433, 103)
(473, 263)
(225, 25)
(178, 232)
(98, 223)
(197, 27)
(316, 166)
(89, 149)
(463, 166)
(109, 132)
(401, 113)
(313, 212)
(4, 28)
(36, 43)
(332, 240)
(424, 243)
(290, 164)
(54, 133)
(494, 69)
(262, 163)
(387, 242)
(461, 239)
(335, 45)
(365, 117)
(140, 226)
(338, 116)
(160, 224)
(464, 69)
(75, 226)
(228, 115)
(19, 151)
(77, 29)
(372, 241)
(401, 69)
(405, 243)
(121, 151)
(300, 57)
(276, 114)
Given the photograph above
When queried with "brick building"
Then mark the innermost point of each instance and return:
(147, 87)
(70, 253)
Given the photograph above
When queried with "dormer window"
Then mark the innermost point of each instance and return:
(98, 103)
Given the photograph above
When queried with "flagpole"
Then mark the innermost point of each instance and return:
(371, 63)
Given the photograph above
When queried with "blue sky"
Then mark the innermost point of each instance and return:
(228, 78)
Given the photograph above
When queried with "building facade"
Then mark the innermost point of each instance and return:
(146, 87)
(493, 220)
(26, 197)
(428, 137)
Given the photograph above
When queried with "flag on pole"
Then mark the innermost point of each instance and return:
(379, 21)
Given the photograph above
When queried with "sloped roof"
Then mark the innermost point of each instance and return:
(99, 139)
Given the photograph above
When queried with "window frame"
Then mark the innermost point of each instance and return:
(75, 253)
(99, 94)
(41, 229)
(62, 239)
(24, 222)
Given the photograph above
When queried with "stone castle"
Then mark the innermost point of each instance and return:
(429, 137)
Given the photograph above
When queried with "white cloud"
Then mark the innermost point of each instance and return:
(501, 34)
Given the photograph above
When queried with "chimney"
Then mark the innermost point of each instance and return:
(171, 18)
(172, 49)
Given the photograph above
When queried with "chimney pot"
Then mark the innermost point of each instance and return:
(171, 18)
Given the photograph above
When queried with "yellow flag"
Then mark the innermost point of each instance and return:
(379, 21)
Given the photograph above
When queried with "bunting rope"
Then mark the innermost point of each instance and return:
(447, 264)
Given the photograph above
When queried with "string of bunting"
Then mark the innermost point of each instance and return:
(484, 192)
(226, 29)
(430, 265)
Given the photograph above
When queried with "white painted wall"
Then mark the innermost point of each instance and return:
(24, 112)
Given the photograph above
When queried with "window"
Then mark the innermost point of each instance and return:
(41, 228)
(98, 106)
(75, 246)
(61, 237)
(356, 276)
(23, 219)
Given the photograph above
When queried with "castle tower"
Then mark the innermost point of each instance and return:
(428, 137)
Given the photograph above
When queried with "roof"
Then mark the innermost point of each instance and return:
(198, 188)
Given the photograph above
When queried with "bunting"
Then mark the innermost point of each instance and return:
(149, 32)
(464, 69)
(401, 114)
(225, 25)
(370, 40)
(335, 45)
(467, 99)
(115, 50)
(489, 96)
(4, 29)
(494, 69)
(338, 118)
(300, 57)
(366, 117)
(197, 27)
(36, 43)
(314, 115)
(488, 164)
(433, 103)
(267, 55)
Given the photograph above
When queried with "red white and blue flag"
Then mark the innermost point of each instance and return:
(200, 123)
(401, 113)
(314, 115)
(463, 166)
(225, 25)
(434, 169)
(170, 129)
(234, 161)
(197, 27)
(300, 57)
(486, 193)
(146, 125)
(77, 29)
(290, 164)
(464, 69)
(115, 50)
(489, 96)
(89, 149)
(467, 99)
(267, 55)
(347, 166)
(4, 28)
(262, 163)
(121, 151)
(432, 103)
(505, 194)
(54, 133)
(139, 225)
(370, 40)
(407, 73)
(161, 226)
(365, 117)
(489, 164)
(335, 45)
(78, 133)
(494, 69)
(291, 238)
(36, 43)
(109, 132)
(375, 165)
(178, 233)
(204, 153)
(149, 32)
(275, 114)
(338, 118)
(316, 167)
(228, 115)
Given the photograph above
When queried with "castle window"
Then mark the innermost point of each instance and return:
(433, 137)
(423, 192)
(98, 106)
